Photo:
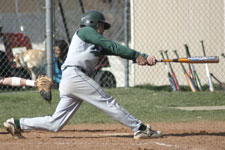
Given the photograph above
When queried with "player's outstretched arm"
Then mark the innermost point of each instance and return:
(43, 83)
(16, 81)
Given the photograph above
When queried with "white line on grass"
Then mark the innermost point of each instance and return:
(200, 108)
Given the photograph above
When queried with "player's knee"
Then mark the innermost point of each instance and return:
(55, 129)
(113, 104)
(54, 126)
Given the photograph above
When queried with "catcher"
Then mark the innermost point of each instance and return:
(76, 85)
(43, 83)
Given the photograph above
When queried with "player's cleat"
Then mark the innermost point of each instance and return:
(11, 128)
(147, 133)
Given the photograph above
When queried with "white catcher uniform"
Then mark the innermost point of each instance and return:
(77, 86)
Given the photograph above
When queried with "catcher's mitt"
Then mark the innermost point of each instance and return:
(44, 85)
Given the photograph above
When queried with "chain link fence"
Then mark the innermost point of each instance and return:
(169, 25)
(154, 25)
(22, 28)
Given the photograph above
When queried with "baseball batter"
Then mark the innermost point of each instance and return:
(76, 86)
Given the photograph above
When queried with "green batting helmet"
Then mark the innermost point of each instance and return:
(91, 19)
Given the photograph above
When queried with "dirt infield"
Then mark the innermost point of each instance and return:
(182, 136)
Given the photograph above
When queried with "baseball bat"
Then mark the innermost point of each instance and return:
(82, 6)
(64, 21)
(211, 88)
(220, 83)
(196, 59)
(189, 65)
(171, 80)
(188, 78)
(172, 72)
(192, 71)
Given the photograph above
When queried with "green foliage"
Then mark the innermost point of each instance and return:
(147, 103)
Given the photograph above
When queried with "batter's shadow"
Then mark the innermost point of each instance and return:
(4, 132)
(201, 133)
(87, 130)
(99, 133)
(99, 130)
(91, 137)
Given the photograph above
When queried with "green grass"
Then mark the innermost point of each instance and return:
(147, 103)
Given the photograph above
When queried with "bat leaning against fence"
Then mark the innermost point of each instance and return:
(171, 79)
(172, 72)
(189, 65)
(189, 80)
(220, 83)
(192, 71)
(211, 88)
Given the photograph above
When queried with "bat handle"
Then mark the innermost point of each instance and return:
(161, 52)
(203, 48)
(166, 52)
(175, 52)
(187, 50)
(158, 60)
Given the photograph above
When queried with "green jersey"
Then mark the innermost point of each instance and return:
(88, 45)
(90, 35)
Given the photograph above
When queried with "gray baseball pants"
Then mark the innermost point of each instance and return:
(76, 87)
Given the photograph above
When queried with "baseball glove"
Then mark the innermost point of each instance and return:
(44, 85)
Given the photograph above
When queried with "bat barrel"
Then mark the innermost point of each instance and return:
(197, 59)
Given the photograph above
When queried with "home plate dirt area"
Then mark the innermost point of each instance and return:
(204, 135)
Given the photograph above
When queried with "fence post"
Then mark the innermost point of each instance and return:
(49, 36)
(126, 39)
